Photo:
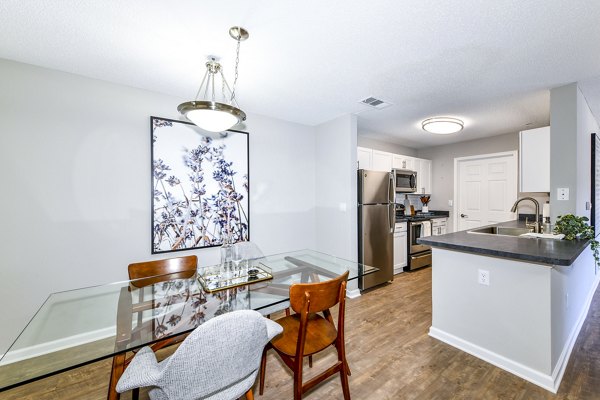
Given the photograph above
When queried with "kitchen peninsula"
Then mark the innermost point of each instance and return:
(515, 302)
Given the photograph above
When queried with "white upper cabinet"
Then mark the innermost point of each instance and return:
(403, 162)
(424, 177)
(377, 160)
(364, 157)
(534, 160)
(382, 161)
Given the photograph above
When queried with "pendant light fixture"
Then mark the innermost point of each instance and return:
(211, 112)
(442, 125)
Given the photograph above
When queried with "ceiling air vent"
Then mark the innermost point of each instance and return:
(376, 103)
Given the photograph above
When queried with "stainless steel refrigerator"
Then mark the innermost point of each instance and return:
(376, 222)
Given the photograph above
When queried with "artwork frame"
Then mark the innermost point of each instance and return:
(200, 185)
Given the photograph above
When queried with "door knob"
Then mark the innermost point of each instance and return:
(464, 216)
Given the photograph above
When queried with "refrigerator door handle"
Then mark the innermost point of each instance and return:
(392, 215)
(391, 191)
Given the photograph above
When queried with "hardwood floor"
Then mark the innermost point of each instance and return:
(390, 355)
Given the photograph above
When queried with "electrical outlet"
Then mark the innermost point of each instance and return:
(483, 277)
(450, 203)
(562, 194)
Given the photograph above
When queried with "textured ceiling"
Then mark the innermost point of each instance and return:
(489, 63)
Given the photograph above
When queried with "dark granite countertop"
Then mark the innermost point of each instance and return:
(544, 251)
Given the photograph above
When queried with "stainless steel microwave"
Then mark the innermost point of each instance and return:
(405, 181)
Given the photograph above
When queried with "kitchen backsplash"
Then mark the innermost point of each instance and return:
(415, 200)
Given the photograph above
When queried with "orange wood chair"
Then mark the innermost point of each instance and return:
(306, 333)
(156, 271)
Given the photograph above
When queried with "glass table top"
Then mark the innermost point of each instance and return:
(81, 326)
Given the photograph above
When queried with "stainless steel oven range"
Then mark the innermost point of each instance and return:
(419, 255)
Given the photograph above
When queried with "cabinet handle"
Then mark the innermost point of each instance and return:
(464, 216)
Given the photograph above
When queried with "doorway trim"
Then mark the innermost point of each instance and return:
(513, 154)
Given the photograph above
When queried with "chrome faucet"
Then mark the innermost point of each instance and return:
(536, 224)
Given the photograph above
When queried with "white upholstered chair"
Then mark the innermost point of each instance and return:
(219, 360)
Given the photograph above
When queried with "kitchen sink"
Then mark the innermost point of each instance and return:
(501, 230)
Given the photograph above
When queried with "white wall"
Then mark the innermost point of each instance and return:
(571, 126)
(510, 317)
(572, 289)
(75, 204)
(563, 148)
(336, 198)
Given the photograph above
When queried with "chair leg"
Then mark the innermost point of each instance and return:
(135, 394)
(347, 366)
(249, 395)
(118, 366)
(310, 361)
(263, 370)
(298, 385)
(345, 386)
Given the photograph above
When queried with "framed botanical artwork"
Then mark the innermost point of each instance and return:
(200, 186)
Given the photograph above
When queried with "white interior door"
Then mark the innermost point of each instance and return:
(485, 189)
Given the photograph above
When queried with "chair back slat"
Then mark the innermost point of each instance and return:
(162, 270)
(322, 295)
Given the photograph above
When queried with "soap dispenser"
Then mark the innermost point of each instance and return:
(547, 226)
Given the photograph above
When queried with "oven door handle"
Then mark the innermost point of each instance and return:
(422, 256)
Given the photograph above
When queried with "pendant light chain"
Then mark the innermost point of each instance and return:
(237, 62)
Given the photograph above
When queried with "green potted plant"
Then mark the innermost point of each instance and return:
(574, 227)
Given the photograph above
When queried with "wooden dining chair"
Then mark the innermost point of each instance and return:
(143, 275)
(306, 332)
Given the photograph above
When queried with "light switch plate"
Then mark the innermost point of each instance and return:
(562, 194)
(450, 203)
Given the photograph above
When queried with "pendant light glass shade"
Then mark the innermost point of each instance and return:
(211, 115)
(442, 125)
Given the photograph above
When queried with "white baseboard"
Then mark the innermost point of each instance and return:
(56, 345)
(548, 382)
(352, 293)
(523, 371)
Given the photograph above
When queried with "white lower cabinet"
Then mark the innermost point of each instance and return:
(400, 247)
(438, 226)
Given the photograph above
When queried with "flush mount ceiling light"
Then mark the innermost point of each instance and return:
(208, 113)
(442, 125)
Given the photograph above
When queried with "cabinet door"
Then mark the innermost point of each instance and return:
(416, 166)
(398, 162)
(534, 160)
(399, 251)
(364, 157)
(426, 176)
(382, 161)
(402, 162)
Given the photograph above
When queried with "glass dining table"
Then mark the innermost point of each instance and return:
(81, 326)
